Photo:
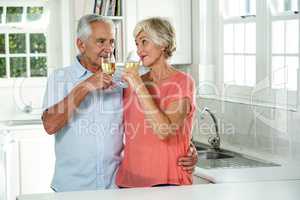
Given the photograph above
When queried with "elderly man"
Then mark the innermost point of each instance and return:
(85, 114)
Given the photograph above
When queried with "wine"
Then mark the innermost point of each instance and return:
(132, 65)
(109, 68)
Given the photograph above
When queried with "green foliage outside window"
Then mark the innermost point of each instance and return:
(14, 14)
(2, 68)
(38, 66)
(37, 43)
(34, 13)
(18, 67)
(17, 43)
(2, 44)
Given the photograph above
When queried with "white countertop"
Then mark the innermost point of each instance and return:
(289, 170)
(250, 174)
(287, 190)
(5, 127)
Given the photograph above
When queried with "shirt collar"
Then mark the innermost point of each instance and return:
(80, 70)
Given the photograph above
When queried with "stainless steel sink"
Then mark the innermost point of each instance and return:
(210, 159)
(201, 148)
(213, 155)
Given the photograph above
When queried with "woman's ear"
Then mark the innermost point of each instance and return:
(164, 50)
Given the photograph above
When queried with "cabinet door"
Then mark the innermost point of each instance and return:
(2, 172)
(177, 11)
(36, 156)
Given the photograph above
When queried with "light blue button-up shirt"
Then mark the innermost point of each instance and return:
(88, 149)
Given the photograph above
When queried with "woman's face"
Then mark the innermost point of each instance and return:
(150, 53)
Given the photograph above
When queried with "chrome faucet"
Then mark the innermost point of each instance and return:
(214, 141)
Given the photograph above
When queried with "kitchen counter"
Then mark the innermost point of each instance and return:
(278, 190)
(4, 127)
(288, 170)
(230, 175)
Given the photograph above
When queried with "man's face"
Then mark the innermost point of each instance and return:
(99, 44)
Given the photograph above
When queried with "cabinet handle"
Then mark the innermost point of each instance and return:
(247, 16)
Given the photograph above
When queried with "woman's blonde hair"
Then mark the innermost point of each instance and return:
(160, 31)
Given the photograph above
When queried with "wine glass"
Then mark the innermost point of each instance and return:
(109, 64)
(132, 60)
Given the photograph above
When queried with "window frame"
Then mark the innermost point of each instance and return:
(244, 94)
(292, 96)
(237, 21)
(19, 28)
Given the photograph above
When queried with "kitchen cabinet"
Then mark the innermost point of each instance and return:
(9, 167)
(36, 164)
(179, 14)
(2, 169)
(29, 162)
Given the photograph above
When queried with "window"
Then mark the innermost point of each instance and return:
(239, 36)
(237, 8)
(285, 44)
(281, 6)
(23, 39)
(260, 49)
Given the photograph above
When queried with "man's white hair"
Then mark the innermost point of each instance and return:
(84, 29)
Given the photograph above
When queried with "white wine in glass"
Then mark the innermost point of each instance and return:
(132, 65)
(109, 65)
(133, 60)
(109, 68)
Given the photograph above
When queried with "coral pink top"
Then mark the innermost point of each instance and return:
(148, 160)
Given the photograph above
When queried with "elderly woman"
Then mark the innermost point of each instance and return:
(158, 112)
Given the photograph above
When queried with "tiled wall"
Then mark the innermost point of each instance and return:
(269, 133)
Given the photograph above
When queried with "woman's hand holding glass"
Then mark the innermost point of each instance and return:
(132, 62)
(131, 72)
